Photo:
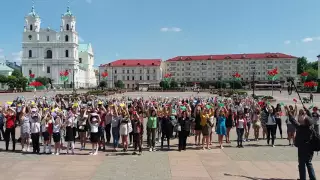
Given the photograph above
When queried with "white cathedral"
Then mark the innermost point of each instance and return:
(47, 52)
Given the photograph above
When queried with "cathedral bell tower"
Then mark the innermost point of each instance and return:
(32, 26)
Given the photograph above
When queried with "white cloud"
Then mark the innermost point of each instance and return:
(287, 42)
(80, 39)
(308, 39)
(16, 57)
(89, 1)
(170, 29)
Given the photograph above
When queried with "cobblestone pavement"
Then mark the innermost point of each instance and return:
(255, 161)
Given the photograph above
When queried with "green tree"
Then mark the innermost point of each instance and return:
(164, 84)
(43, 80)
(103, 84)
(16, 73)
(220, 84)
(204, 85)
(119, 84)
(236, 84)
(12, 82)
(173, 84)
(22, 82)
(3, 79)
(301, 64)
(313, 65)
(313, 74)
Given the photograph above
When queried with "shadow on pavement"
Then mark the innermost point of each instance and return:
(255, 178)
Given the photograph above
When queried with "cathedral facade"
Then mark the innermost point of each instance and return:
(47, 52)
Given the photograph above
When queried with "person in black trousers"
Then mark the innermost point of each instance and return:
(35, 142)
(136, 131)
(271, 124)
(166, 128)
(185, 126)
(278, 113)
(302, 142)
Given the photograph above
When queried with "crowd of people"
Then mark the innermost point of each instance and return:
(59, 122)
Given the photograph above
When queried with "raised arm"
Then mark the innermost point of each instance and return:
(291, 117)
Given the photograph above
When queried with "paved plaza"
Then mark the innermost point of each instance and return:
(255, 161)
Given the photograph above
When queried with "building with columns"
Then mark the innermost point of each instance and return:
(47, 52)
(132, 72)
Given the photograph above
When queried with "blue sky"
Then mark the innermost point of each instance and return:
(120, 29)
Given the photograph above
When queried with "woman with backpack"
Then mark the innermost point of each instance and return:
(304, 142)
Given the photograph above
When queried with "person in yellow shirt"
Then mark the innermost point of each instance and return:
(206, 125)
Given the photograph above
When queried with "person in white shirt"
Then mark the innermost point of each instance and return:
(57, 123)
(35, 131)
(94, 120)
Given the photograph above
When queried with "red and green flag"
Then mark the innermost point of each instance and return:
(237, 76)
(273, 74)
(64, 75)
(167, 77)
(104, 75)
(304, 76)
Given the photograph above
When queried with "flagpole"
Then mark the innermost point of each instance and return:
(272, 88)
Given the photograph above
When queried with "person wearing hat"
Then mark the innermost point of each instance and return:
(25, 128)
(94, 121)
(10, 116)
(302, 142)
(35, 128)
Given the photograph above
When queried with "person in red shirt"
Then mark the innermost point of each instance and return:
(10, 116)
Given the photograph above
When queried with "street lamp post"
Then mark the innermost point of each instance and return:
(73, 79)
(253, 83)
(220, 81)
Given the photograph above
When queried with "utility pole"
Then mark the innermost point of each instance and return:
(253, 83)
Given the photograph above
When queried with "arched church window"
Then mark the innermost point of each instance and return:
(67, 38)
(67, 53)
(31, 27)
(49, 54)
(30, 53)
(67, 27)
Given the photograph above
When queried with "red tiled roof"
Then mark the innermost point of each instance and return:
(134, 62)
(231, 56)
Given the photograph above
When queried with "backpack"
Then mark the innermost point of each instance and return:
(315, 140)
